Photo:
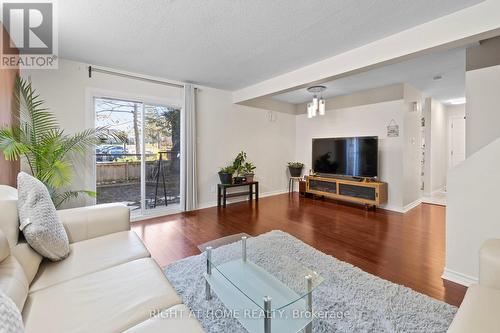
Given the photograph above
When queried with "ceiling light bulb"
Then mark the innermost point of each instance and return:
(315, 103)
(322, 106)
(309, 111)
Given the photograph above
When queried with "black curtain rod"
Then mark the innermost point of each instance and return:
(129, 76)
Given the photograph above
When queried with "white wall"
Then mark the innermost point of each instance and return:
(483, 107)
(472, 215)
(364, 120)
(223, 128)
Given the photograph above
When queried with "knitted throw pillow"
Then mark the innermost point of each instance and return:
(39, 221)
(10, 317)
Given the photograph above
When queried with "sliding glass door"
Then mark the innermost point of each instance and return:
(162, 146)
(139, 164)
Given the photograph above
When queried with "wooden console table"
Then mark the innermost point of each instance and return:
(222, 194)
(368, 193)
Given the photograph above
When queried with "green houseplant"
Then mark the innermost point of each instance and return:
(295, 168)
(242, 170)
(45, 147)
(248, 169)
(238, 163)
(226, 175)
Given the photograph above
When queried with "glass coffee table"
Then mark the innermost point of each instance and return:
(271, 294)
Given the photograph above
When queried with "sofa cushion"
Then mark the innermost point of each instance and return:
(4, 246)
(88, 222)
(28, 258)
(9, 221)
(111, 300)
(39, 220)
(91, 256)
(478, 311)
(178, 318)
(9, 224)
(10, 317)
(13, 281)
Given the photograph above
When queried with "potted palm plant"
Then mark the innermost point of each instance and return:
(45, 147)
(295, 168)
(226, 175)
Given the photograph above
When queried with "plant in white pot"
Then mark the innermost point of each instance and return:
(248, 169)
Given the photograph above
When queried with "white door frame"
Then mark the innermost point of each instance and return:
(450, 138)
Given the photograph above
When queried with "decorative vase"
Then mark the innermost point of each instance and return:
(295, 172)
(226, 178)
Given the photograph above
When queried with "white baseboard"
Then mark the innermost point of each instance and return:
(403, 209)
(159, 213)
(392, 208)
(463, 279)
(412, 205)
(230, 201)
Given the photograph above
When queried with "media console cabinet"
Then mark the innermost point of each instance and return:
(367, 192)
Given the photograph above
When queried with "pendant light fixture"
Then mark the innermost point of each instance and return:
(318, 105)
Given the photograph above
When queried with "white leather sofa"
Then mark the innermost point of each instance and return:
(108, 283)
(480, 309)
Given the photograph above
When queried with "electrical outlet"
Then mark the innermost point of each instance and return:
(213, 188)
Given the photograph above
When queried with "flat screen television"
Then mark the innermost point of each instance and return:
(355, 157)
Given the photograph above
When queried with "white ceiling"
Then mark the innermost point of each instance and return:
(418, 72)
(230, 44)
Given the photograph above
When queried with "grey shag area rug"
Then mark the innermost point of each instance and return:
(359, 301)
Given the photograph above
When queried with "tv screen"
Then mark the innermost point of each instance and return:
(356, 157)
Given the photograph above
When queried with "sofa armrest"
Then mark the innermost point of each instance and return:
(93, 221)
(489, 264)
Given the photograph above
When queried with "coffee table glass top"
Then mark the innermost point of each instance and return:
(261, 275)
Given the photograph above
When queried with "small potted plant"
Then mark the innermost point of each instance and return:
(295, 168)
(226, 175)
(248, 169)
(238, 163)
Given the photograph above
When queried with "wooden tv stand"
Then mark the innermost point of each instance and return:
(367, 192)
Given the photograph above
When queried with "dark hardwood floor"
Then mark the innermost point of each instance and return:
(407, 249)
